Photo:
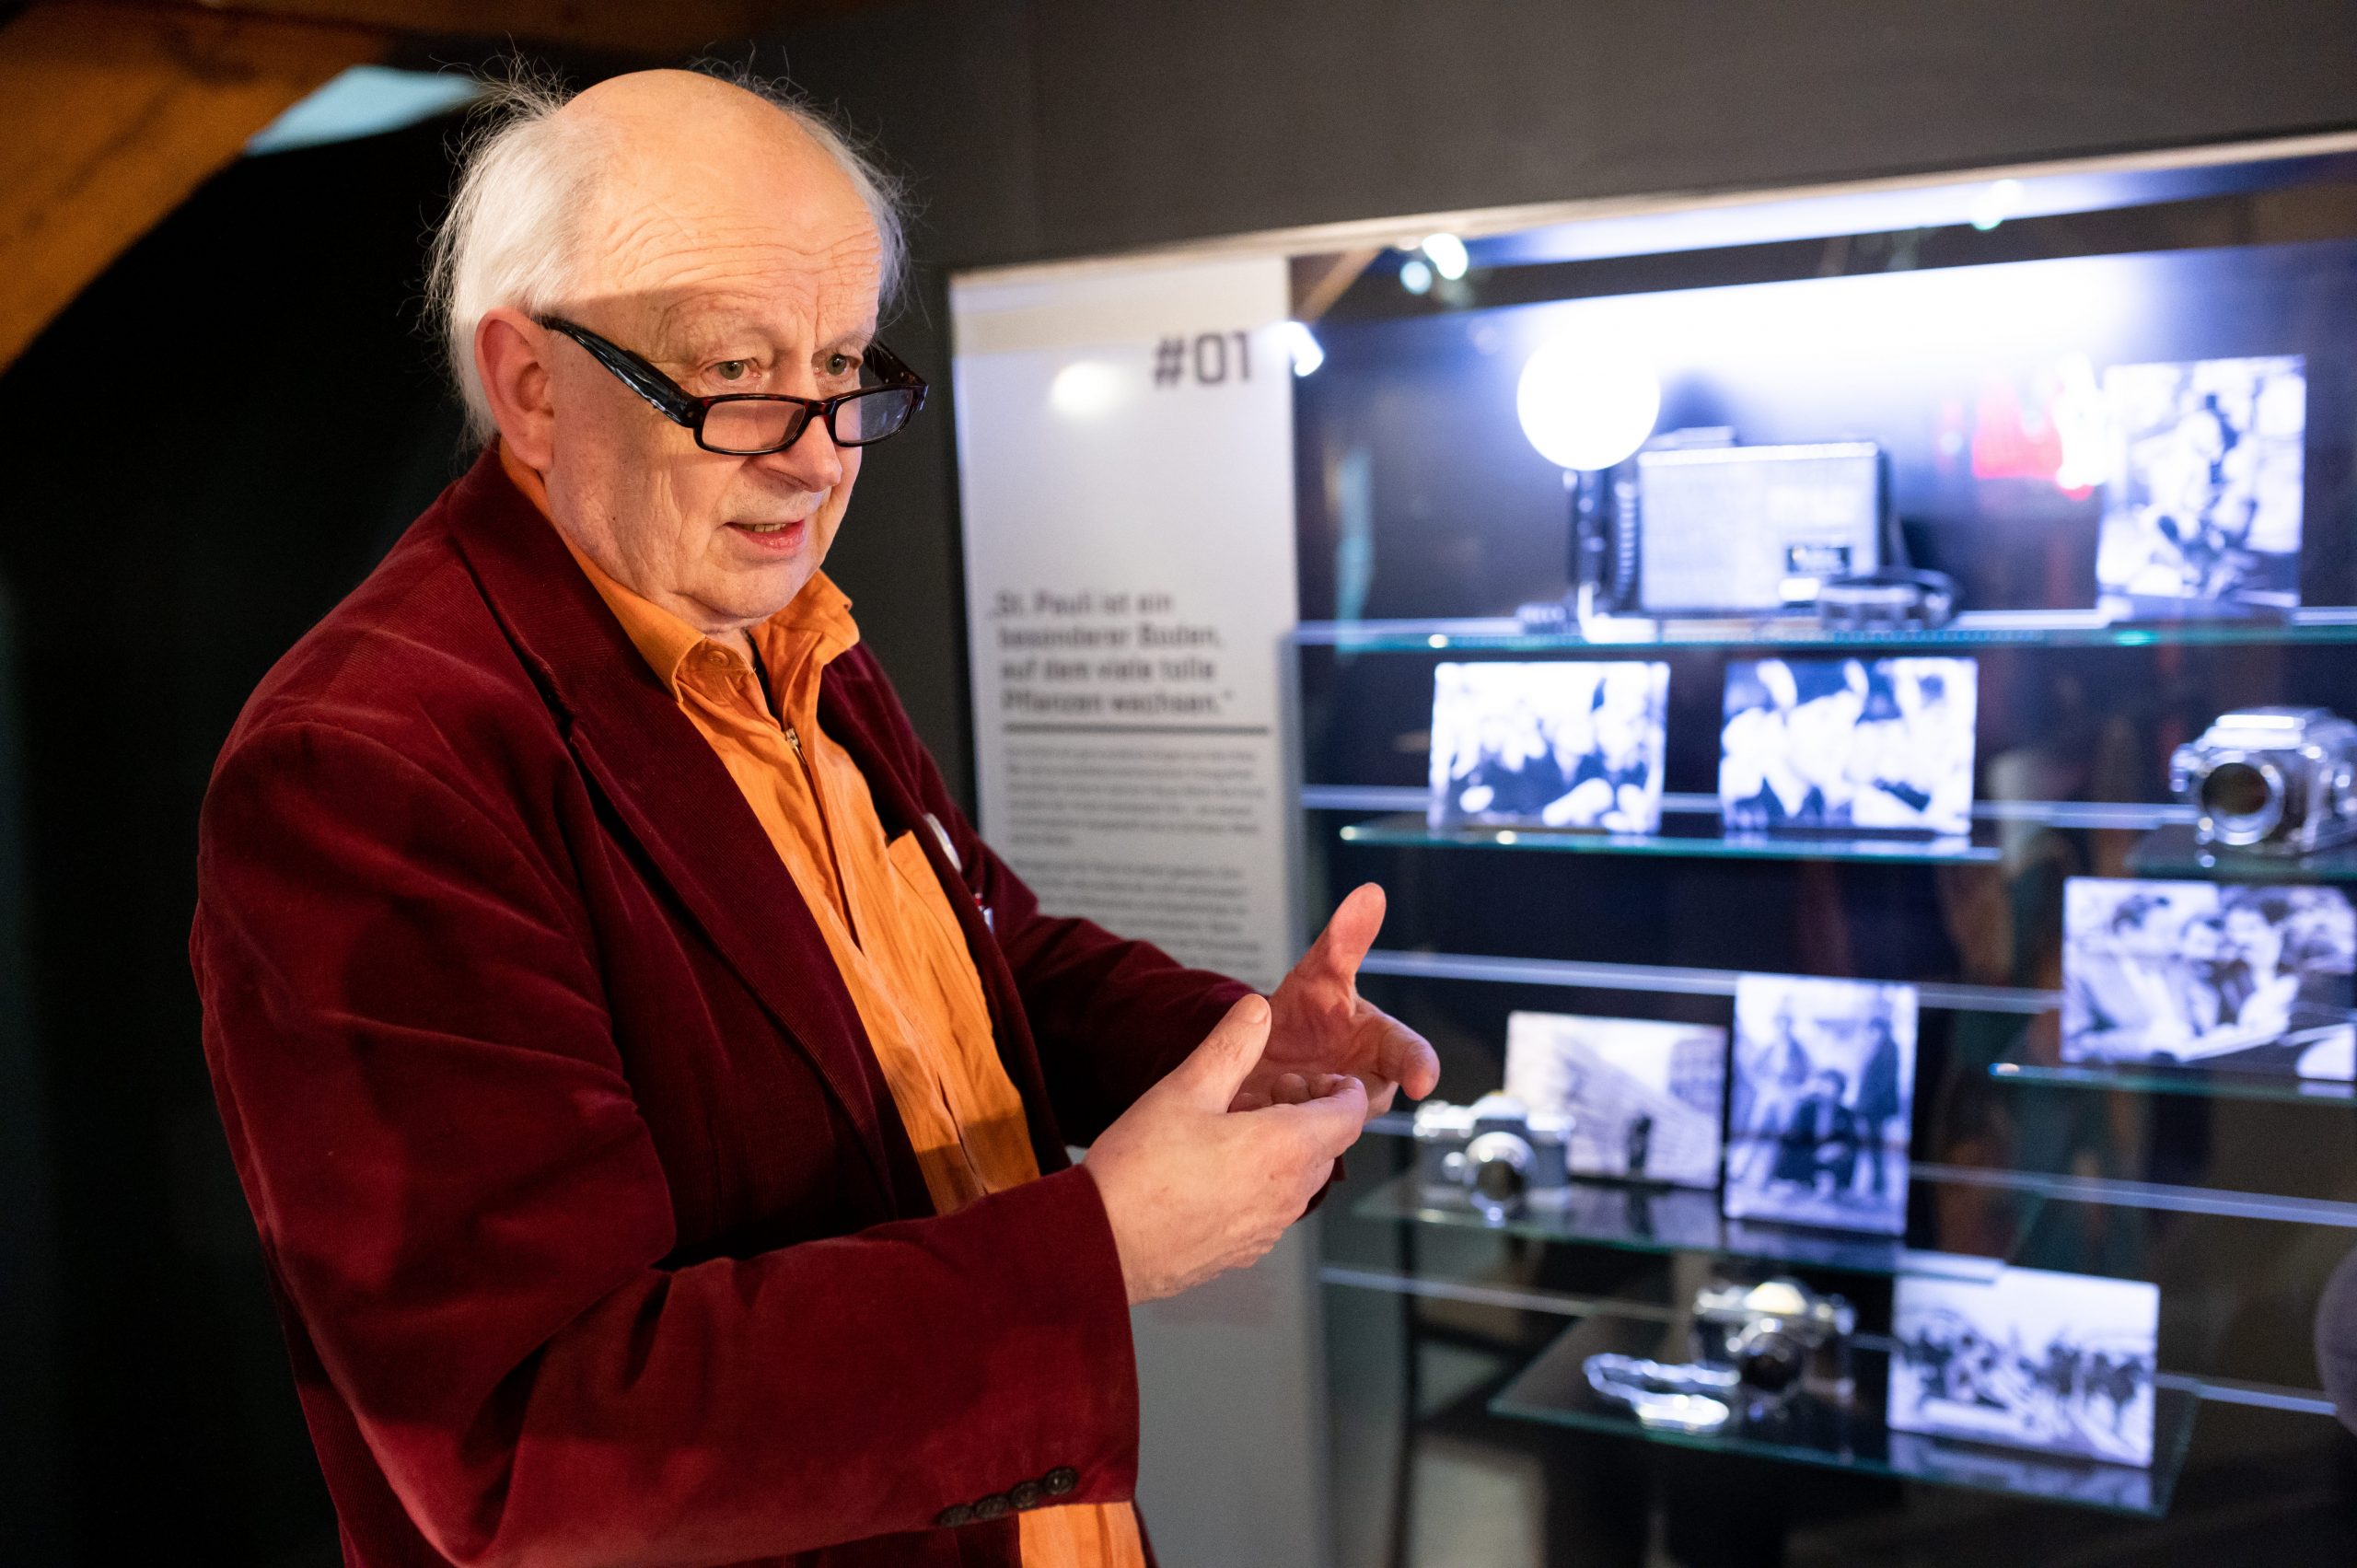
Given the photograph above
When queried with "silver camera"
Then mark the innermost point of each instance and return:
(2275, 781)
(1757, 1349)
(1779, 1337)
(1497, 1153)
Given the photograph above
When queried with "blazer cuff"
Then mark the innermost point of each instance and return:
(1056, 1250)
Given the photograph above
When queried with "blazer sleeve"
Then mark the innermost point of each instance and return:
(458, 1196)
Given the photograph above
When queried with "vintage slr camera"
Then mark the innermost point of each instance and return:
(1779, 1337)
(1496, 1154)
(2275, 781)
(1757, 1348)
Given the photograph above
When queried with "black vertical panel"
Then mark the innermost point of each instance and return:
(207, 450)
(32, 1530)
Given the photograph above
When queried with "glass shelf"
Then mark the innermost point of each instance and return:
(2143, 1078)
(2173, 850)
(1668, 980)
(1703, 841)
(2100, 1190)
(1973, 629)
(1629, 1218)
(2130, 815)
(1554, 1389)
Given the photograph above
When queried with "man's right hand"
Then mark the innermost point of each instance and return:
(1192, 1188)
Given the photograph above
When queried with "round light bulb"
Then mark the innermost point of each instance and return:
(1588, 403)
(1447, 254)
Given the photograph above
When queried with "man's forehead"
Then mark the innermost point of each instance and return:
(722, 205)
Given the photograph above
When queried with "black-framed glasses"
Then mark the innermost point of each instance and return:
(747, 424)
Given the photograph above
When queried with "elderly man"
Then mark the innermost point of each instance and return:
(650, 1093)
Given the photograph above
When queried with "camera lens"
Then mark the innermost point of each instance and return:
(2237, 789)
(1498, 1181)
(1497, 1171)
(1772, 1362)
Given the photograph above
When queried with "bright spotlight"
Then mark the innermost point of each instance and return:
(1587, 404)
(1446, 254)
(1997, 203)
(1301, 344)
(1086, 389)
(1416, 275)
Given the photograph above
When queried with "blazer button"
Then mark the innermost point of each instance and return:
(1061, 1480)
(990, 1507)
(955, 1514)
(1027, 1495)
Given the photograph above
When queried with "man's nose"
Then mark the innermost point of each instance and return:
(813, 462)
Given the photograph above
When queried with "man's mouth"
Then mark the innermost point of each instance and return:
(776, 538)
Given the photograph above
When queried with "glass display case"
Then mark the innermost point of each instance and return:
(2111, 415)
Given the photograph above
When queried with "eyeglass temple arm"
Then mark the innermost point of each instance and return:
(894, 370)
(636, 374)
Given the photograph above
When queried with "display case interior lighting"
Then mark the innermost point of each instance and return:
(1301, 347)
(1588, 403)
(1447, 255)
(2001, 201)
(1416, 275)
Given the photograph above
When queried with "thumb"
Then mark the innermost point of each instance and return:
(1343, 945)
(1219, 1066)
(1332, 1122)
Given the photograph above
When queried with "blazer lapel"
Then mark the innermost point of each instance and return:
(671, 792)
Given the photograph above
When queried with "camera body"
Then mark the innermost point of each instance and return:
(2271, 780)
(1779, 1337)
(1893, 599)
(1497, 1153)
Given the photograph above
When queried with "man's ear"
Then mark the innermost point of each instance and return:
(508, 350)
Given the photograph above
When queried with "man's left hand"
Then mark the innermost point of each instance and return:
(1322, 1027)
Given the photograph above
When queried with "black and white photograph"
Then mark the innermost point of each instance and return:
(1820, 1102)
(1865, 745)
(1645, 1098)
(1550, 745)
(2202, 507)
(2236, 979)
(2031, 1359)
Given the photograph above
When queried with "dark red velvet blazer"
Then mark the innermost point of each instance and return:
(595, 1235)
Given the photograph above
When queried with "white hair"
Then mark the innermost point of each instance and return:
(526, 176)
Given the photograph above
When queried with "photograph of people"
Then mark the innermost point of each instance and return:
(2031, 1358)
(1553, 745)
(1820, 1102)
(2205, 496)
(1865, 744)
(2239, 978)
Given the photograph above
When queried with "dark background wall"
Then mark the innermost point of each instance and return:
(223, 434)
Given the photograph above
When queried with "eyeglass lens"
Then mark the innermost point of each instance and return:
(760, 425)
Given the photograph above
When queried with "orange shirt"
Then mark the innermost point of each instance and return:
(886, 920)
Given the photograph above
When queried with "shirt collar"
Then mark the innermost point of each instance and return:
(817, 626)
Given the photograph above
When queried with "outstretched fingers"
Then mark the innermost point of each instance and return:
(1402, 1055)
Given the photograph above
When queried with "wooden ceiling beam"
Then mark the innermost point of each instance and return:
(116, 113)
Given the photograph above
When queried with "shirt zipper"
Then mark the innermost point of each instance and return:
(825, 831)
